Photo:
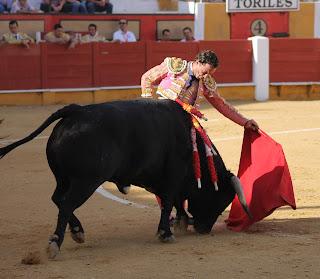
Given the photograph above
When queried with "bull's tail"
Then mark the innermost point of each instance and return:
(61, 113)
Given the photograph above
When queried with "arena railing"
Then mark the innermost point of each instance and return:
(48, 66)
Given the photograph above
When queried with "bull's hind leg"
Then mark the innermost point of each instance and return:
(76, 229)
(79, 192)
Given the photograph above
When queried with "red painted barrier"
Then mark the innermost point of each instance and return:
(20, 68)
(293, 60)
(110, 64)
(235, 60)
(67, 68)
(157, 51)
(119, 64)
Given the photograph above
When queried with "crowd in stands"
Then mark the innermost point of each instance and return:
(187, 35)
(56, 6)
(59, 36)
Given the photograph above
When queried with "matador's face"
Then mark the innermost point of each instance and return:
(200, 69)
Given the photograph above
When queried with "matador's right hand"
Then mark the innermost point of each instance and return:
(252, 125)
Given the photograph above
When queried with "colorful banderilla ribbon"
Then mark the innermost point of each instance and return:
(207, 142)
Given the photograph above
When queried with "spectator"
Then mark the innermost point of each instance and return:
(16, 37)
(123, 35)
(188, 35)
(47, 5)
(23, 6)
(64, 6)
(5, 6)
(93, 35)
(166, 35)
(57, 36)
(74, 7)
(35, 3)
(99, 6)
(52, 6)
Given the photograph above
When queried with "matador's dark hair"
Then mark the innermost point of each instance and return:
(208, 57)
(13, 22)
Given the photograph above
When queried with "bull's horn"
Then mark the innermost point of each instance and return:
(236, 184)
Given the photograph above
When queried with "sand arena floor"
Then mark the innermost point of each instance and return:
(120, 239)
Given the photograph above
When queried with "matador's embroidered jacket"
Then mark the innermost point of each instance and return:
(175, 80)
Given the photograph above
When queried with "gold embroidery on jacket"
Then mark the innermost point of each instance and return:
(176, 65)
(210, 84)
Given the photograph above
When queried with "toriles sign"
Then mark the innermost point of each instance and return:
(234, 6)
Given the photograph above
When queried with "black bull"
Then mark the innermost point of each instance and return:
(143, 142)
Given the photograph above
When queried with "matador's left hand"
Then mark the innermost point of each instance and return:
(252, 125)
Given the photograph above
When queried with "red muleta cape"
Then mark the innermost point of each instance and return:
(265, 177)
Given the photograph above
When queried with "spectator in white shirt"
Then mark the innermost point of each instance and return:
(123, 35)
(188, 35)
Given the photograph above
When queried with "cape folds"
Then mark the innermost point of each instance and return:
(265, 177)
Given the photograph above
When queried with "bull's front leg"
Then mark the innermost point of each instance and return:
(165, 234)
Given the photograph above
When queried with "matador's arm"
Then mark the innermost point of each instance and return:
(214, 98)
(151, 78)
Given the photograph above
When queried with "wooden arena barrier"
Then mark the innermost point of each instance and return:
(48, 66)
(157, 51)
(66, 68)
(20, 68)
(235, 60)
(294, 60)
(118, 64)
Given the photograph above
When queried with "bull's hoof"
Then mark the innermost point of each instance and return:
(126, 190)
(78, 237)
(166, 237)
(77, 234)
(53, 248)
